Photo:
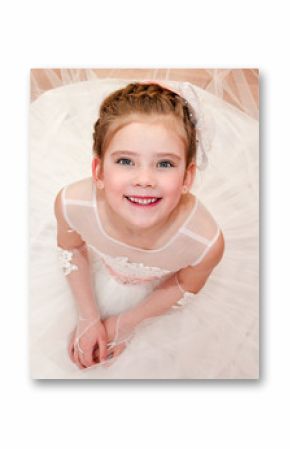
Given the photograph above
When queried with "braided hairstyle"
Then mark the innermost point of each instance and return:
(148, 99)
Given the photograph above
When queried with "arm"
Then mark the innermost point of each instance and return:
(89, 330)
(80, 279)
(191, 279)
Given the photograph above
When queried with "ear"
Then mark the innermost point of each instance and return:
(189, 176)
(97, 173)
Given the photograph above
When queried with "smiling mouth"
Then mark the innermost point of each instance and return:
(143, 201)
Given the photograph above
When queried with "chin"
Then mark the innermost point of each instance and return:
(141, 225)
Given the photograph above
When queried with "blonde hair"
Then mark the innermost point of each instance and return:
(143, 99)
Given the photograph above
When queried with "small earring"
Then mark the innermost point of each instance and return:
(184, 189)
(100, 184)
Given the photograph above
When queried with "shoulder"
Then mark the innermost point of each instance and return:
(199, 218)
(80, 189)
(66, 236)
(213, 255)
(195, 276)
(201, 226)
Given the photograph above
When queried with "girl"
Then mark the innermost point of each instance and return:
(136, 218)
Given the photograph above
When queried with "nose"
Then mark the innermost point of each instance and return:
(144, 177)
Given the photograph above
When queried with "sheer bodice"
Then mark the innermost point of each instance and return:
(130, 264)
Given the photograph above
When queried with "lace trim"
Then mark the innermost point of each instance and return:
(128, 272)
(128, 279)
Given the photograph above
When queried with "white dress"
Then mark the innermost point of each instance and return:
(211, 335)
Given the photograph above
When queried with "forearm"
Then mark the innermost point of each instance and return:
(158, 302)
(76, 267)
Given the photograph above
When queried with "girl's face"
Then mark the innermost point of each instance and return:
(144, 173)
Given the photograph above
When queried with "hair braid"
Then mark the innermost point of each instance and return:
(143, 99)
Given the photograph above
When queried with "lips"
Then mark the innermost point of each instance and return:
(143, 200)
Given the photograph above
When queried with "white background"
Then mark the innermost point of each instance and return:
(203, 414)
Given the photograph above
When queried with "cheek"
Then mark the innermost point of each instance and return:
(173, 183)
(114, 177)
(116, 185)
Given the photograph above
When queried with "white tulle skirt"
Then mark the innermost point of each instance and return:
(215, 335)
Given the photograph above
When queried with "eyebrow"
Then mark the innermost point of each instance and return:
(132, 153)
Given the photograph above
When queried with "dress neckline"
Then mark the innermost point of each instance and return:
(135, 248)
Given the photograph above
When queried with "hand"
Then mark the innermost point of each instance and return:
(88, 344)
(118, 333)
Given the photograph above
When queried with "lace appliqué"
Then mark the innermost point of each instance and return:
(125, 279)
(65, 256)
(130, 272)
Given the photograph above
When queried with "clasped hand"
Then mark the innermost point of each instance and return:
(93, 341)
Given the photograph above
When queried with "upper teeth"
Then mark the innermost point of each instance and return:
(139, 200)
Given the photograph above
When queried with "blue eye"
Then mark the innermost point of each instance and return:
(129, 162)
(123, 161)
(164, 164)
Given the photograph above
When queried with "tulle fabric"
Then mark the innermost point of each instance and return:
(214, 335)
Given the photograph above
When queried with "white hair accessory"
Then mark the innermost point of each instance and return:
(204, 129)
(204, 132)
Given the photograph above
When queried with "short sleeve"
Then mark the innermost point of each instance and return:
(67, 237)
(202, 232)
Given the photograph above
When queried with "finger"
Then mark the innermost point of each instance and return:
(86, 357)
(77, 360)
(71, 347)
(99, 356)
(108, 353)
(110, 358)
(96, 354)
(110, 349)
(119, 349)
(114, 352)
(83, 359)
(103, 351)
